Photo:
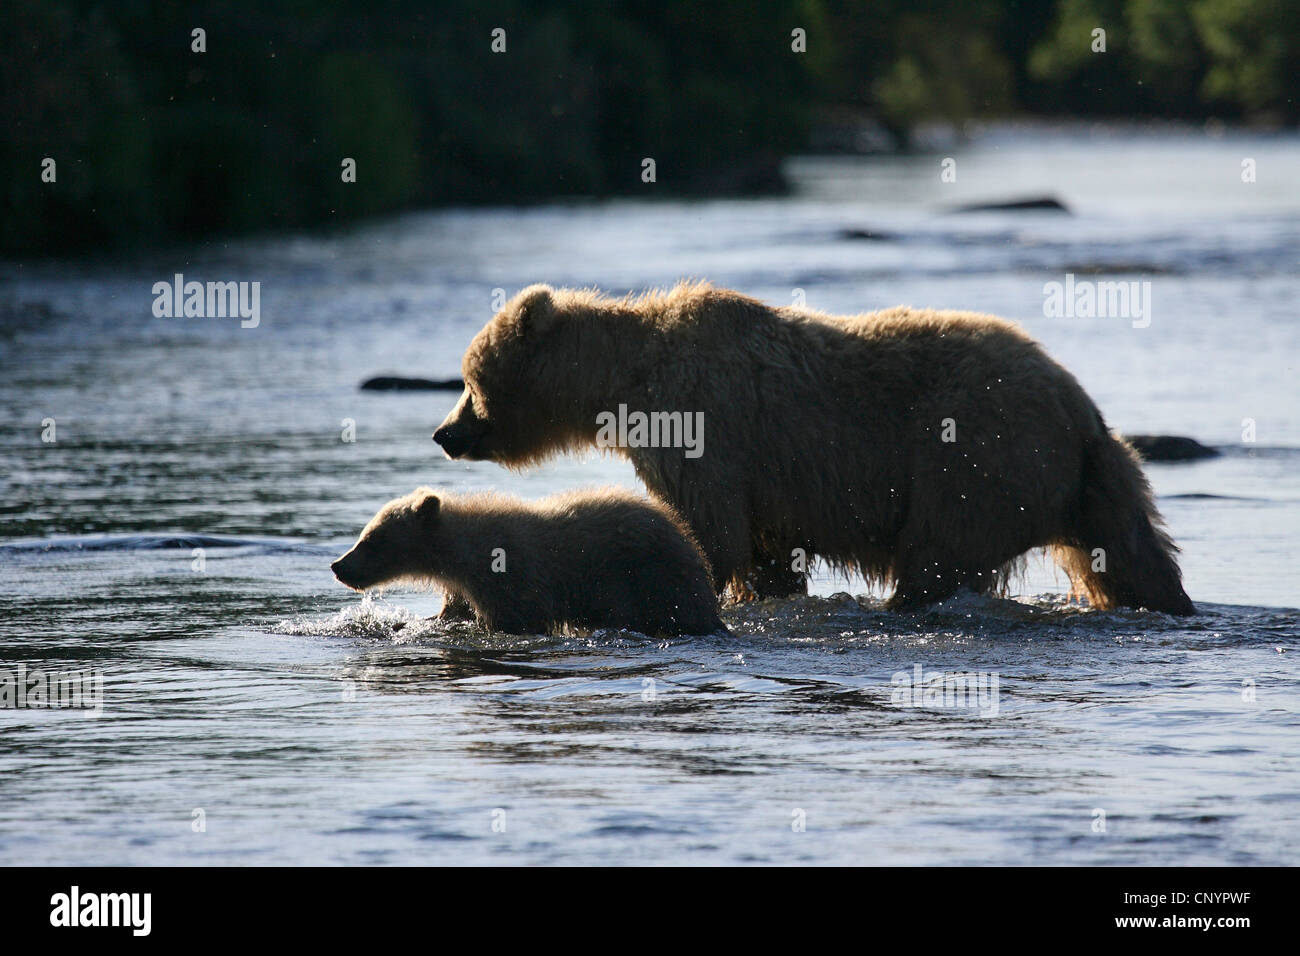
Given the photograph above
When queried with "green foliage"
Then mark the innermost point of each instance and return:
(363, 112)
(1254, 51)
(156, 142)
(1181, 57)
(949, 77)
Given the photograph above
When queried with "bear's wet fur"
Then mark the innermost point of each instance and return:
(573, 562)
(927, 449)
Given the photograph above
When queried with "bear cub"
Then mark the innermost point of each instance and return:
(575, 561)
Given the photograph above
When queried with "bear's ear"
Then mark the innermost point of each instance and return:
(428, 506)
(534, 308)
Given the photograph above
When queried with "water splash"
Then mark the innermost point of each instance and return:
(369, 619)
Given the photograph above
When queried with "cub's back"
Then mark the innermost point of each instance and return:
(631, 562)
(617, 520)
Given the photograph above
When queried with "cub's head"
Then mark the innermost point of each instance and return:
(397, 543)
(518, 374)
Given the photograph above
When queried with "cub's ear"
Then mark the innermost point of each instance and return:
(534, 307)
(428, 506)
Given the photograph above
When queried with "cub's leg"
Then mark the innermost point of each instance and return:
(456, 608)
(514, 613)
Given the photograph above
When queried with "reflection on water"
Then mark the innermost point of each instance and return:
(177, 535)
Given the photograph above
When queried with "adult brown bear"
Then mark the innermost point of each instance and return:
(928, 449)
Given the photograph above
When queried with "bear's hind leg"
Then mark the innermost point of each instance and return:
(773, 577)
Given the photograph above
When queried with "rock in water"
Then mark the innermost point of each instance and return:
(1169, 448)
(869, 235)
(1035, 204)
(394, 383)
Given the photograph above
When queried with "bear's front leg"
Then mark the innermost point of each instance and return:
(772, 576)
(927, 576)
(716, 518)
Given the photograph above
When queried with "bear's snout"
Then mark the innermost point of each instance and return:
(456, 440)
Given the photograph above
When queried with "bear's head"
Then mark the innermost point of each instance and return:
(518, 378)
(399, 542)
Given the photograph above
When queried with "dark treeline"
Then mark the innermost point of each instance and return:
(153, 141)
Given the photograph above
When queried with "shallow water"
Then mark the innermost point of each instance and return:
(312, 726)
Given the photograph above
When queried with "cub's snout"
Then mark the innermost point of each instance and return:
(347, 572)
